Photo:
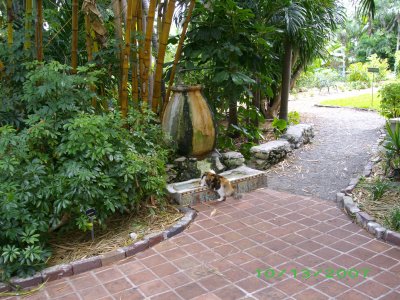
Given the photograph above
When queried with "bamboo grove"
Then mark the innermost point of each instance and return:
(141, 28)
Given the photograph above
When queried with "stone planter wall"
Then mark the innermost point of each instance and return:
(298, 135)
(266, 155)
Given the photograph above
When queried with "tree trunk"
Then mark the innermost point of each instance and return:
(39, 30)
(296, 75)
(28, 23)
(74, 46)
(233, 117)
(273, 108)
(166, 26)
(178, 53)
(286, 75)
(10, 19)
(398, 33)
(256, 101)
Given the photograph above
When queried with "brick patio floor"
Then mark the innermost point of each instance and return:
(218, 257)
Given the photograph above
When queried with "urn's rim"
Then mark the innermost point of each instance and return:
(186, 88)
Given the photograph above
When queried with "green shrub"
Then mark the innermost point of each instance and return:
(279, 126)
(358, 72)
(390, 100)
(397, 64)
(382, 64)
(67, 160)
(392, 146)
(393, 220)
(293, 118)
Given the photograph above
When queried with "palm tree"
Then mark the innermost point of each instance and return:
(306, 26)
(293, 20)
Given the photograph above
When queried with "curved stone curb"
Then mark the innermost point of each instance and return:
(83, 265)
(337, 106)
(345, 202)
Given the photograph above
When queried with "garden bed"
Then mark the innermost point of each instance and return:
(76, 245)
(379, 197)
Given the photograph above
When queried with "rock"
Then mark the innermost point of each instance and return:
(363, 219)
(133, 236)
(371, 227)
(339, 197)
(217, 165)
(268, 154)
(299, 134)
(180, 160)
(233, 159)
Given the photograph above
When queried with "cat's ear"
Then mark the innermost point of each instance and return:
(212, 171)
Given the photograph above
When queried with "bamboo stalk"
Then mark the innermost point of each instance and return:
(88, 31)
(89, 50)
(39, 30)
(166, 26)
(160, 12)
(141, 46)
(28, 23)
(10, 18)
(178, 53)
(135, 83)
(147, 51)
(125, 63)
(74, 45)
(118, 38)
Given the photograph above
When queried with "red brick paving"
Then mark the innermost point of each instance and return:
(219, 255)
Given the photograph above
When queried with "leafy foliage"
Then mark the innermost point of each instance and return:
(382, 64)
(390, 100)
(67, 160)
(378, 189)
(393, 220)
(358, 73)
(293, 118)
(392, 146)
(279, 126)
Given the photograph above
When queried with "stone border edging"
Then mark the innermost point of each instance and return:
(345, 202)
(87, 264)
(337, 106)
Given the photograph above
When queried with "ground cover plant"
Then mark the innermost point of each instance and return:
(379, 195)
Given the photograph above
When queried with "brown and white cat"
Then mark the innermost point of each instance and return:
(219, 184)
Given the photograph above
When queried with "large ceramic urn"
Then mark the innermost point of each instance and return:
(189, 121)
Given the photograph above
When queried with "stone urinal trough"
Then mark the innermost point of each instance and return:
(243, 179)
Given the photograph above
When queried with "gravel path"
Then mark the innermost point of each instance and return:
(340, 150)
